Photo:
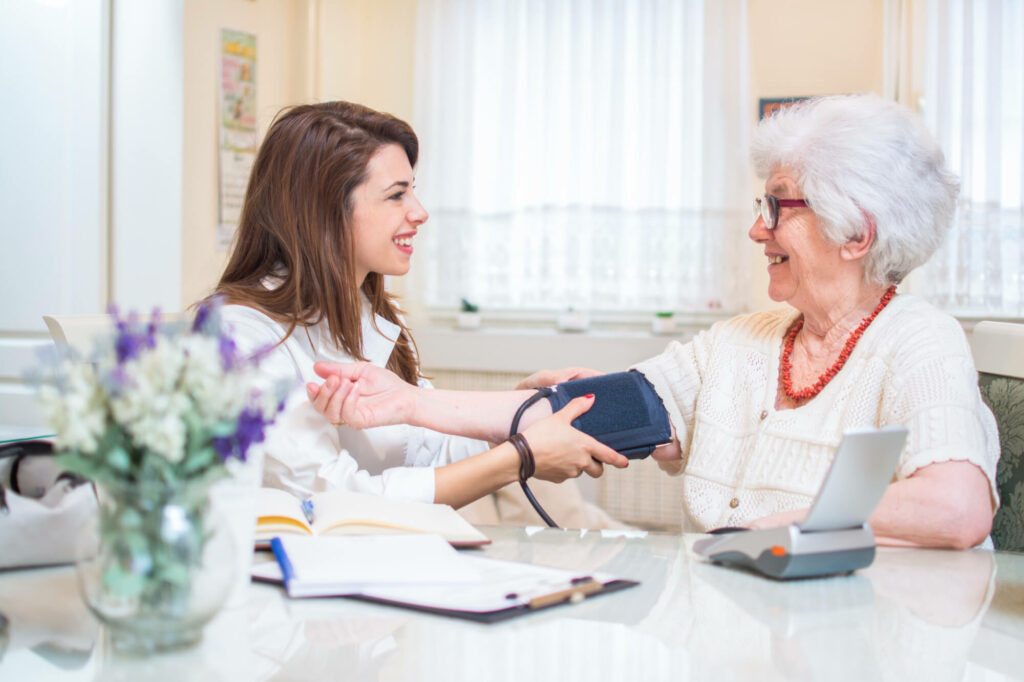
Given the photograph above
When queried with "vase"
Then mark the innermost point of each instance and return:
(156, 565)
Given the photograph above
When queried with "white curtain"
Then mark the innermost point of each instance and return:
(974, 103)
(582, 153)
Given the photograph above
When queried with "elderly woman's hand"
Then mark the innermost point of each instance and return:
(786, 518)
(669, 456)
(550, 377)
(361, 395)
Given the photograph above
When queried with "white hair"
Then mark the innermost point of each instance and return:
(853, 155)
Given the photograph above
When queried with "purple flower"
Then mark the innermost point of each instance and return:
(153, 328)
(228, 353)
(202, 315)
(249, 430)
(257, 357)
(207, 321)
(117, 381)
(131, 338)
(224, 445)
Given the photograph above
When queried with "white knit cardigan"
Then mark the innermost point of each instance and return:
(743, 459)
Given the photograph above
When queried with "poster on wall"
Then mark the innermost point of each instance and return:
(238, 139)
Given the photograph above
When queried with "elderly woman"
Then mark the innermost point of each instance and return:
(856, 197)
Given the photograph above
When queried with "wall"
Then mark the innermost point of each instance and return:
(363, 50)
(283, 75)
(810, 47)
(309, 50)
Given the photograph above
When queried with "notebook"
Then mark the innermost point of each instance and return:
(425, 574)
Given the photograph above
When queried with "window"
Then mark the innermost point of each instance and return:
(973, 102)
(587, 153)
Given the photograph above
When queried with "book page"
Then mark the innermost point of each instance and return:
(348, 513)
(335, 566)
(279, 511)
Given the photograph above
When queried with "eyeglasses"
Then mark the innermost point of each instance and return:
(768, 208)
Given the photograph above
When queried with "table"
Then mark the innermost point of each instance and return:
(12, 434)
(914, 614)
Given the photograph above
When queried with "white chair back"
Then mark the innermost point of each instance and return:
(998, 348)
(80, 331)
(77, 331)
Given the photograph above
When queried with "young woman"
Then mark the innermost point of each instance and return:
(329, 211)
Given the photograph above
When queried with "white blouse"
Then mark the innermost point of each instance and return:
(304, 453)
(743, 459)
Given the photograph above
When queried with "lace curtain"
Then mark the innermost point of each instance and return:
(973, 101)
(585, 153)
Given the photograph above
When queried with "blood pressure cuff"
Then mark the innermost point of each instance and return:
(627, 415)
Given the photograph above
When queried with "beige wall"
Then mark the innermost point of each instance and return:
(810, 47)
(366, 49)
(281, 79)
(309, 50)
(362, 50)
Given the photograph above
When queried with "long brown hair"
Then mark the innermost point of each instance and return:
(296, 225)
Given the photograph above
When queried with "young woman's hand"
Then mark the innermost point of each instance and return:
(561, 451)
(361, 395)
(550, 377)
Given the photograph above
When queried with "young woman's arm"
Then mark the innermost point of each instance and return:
(560, 452)
(362, 395)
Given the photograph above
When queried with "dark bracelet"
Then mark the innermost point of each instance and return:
(527, 465)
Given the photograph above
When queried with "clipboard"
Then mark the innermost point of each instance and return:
(502, 590)
(558, 587)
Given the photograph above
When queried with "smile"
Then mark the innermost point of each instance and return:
(403, 241)
(775, 260)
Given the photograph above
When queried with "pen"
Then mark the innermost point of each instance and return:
(307, 509)
(581, 587)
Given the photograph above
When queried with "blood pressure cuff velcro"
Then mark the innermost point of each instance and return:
(627, 414)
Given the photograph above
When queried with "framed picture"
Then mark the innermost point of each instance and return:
(766, 106)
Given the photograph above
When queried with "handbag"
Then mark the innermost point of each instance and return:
(43, 510)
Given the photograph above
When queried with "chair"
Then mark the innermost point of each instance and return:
(998, 349)
(79, 331)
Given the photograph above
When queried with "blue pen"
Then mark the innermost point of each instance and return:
(307, 509)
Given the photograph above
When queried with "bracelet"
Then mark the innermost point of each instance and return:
(527, 465)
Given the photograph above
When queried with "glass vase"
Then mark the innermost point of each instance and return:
(156, 566)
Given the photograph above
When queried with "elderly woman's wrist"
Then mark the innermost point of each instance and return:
(672, 467)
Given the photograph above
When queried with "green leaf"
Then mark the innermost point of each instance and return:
(119, 459)
(123, 583)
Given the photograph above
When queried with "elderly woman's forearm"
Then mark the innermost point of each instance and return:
(486, 415)
(942, 505)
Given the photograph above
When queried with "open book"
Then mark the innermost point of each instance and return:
(340, 512)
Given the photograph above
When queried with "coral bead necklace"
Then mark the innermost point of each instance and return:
(786, 367)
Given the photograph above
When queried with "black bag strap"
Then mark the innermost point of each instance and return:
(18, 451)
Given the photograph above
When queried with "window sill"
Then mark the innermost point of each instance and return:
(525, 350)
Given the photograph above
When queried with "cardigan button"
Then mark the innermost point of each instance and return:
(764, 414)
(734, 502)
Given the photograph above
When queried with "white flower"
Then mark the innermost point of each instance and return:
(164, 394)
(76, 407)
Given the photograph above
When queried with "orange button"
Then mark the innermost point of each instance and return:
(778, 550)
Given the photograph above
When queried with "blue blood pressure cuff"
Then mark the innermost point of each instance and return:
(627, 415)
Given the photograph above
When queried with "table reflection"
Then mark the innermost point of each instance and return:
(914, 614)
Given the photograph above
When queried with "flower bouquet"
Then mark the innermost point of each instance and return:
(153, 417)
